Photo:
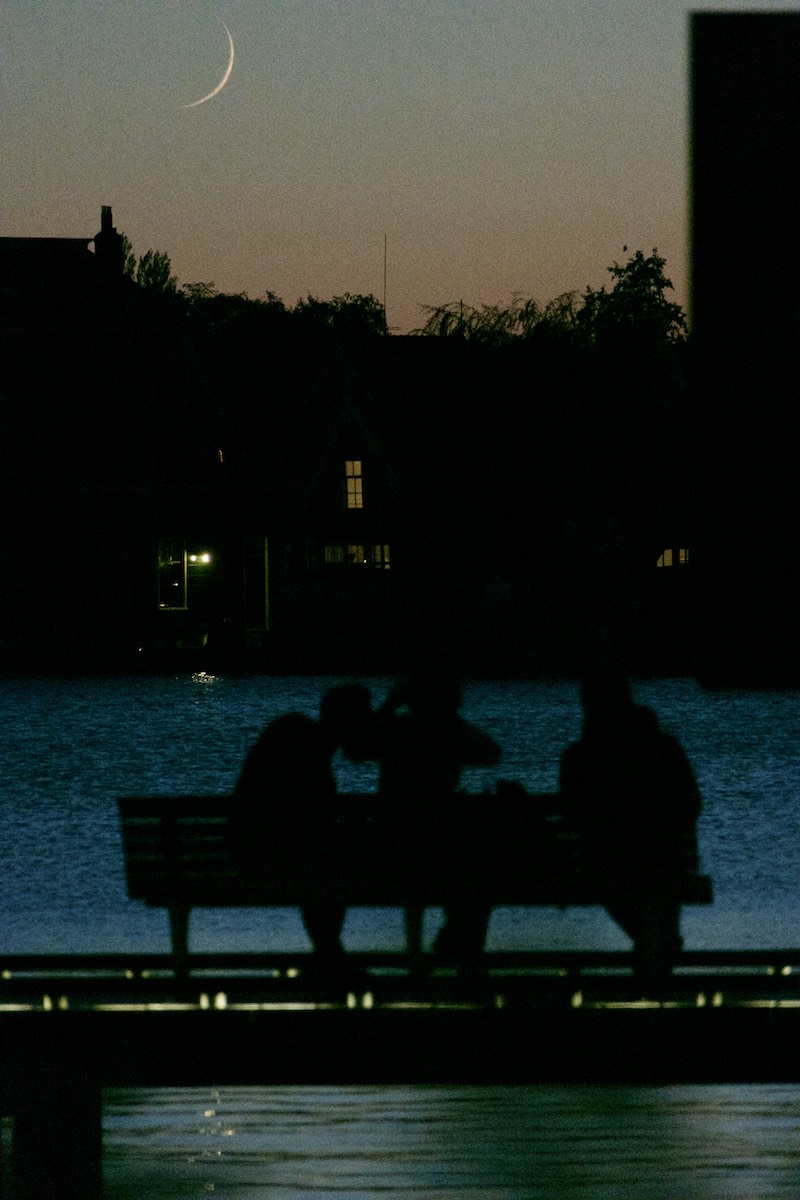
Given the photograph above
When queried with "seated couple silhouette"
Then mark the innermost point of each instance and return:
(286, 793)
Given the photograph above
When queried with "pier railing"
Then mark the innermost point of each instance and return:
(71, 1025)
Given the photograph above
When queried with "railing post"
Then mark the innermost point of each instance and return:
(179, 932)
(57, 1134)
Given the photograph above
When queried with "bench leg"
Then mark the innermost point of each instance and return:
(413, 915)
(179, 932)
(57, 1139)
(653, 923)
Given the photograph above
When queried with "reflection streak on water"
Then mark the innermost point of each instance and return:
(428, 1143)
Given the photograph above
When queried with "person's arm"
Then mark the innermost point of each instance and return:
(477, 748)
(368, 742)
(685, 791)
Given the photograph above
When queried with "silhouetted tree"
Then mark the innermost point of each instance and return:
(491, 324)
(636, 310)
(154, 272)
(348, 316)
(128, 258)
(495, 325)
(196, 293)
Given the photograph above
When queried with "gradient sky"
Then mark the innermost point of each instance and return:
(501, 146)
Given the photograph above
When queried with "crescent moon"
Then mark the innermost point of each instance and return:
(225, 77)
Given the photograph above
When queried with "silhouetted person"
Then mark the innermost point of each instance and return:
(285, 801)
(422, 745)
(629, 792)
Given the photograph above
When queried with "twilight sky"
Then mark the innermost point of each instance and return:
(501, 146)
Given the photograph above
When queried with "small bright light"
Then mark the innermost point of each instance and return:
(203, 557)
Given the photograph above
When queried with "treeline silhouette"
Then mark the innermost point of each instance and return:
(634, 313)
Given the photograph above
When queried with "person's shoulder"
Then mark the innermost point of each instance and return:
(574, 750)
(476, 738)
(673, 753)
(288, 728)
(291, 720)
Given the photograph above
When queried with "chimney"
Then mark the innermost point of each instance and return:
(108, 247)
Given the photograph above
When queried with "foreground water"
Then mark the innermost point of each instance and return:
(436, 1143)
(73, 746)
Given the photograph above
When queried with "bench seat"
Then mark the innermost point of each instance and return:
(179, 855)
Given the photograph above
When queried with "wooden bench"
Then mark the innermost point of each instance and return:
(179, 855)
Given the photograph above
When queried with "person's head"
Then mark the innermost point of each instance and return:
(344, 709)
(606, 699)
(645, 718)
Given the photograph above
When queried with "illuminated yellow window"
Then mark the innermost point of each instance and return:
(670, 557)
(377, 557)
(172, 575)
(354, 483)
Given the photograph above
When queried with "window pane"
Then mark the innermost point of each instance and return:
(171, 575)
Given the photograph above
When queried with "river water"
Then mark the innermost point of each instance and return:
(73, 746)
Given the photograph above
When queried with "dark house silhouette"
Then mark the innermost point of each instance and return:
(265, 496)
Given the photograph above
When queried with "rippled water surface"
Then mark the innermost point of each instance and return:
(71, 747)
(434, 1143)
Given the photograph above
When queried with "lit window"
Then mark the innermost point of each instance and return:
(669, 557)
(363, 556)
(354, 483)
(179, 571)
(171, 575)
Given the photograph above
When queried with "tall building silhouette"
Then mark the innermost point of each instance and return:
(745, 201)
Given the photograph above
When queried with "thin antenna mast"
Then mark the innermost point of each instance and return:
(384, 281)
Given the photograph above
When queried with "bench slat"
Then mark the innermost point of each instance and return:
(177, 852)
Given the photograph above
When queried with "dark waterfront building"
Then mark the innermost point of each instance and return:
(746, 332)
(223, 487)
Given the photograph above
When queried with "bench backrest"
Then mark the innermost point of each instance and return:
(174, 841)
(179, 848)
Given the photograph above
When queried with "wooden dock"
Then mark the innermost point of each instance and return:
(72, 1025)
